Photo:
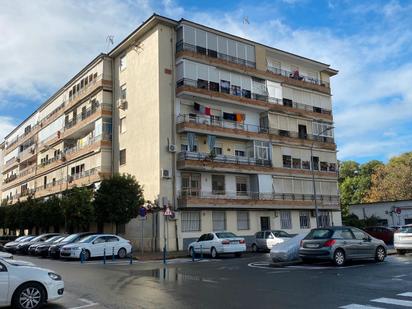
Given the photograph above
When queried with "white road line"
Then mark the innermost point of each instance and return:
(356, 306)
(406, 294)
(88, 304)
(393, 301)
(399, 276)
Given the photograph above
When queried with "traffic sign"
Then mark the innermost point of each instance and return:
(142, 212)
(168, 212)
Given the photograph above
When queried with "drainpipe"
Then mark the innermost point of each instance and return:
(114, 113)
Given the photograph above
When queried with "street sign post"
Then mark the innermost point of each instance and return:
(143, 217)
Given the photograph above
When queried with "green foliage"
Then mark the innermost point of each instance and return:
(78, 209)
(353, 220)
(118, 199)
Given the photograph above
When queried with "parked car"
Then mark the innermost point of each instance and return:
(402, 240)
(11, 246)
(23, 285)
(97, 246)
(54, 250)
(265, 240)
(218, 243)
(381, 232)
(33, 247)
(23, 247)
(340, 244)
(6, 255)
(42, 249)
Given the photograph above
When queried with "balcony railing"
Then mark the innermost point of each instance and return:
(182, 46)
(235, 91)
(102, 137)
(198, 156)
(247, 195)
(10, 178)
(297, 76)
(228, 124)
(85, 114)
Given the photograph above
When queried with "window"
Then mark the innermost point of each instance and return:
(324, 166)
(241, 186)
(246, 93)
(184, 147)
(218, 184)
(302, 131)
(190, 221)
(122, 125)
(332, 167)
(359, 235)
(122, 156)
(287, 161)
(315, 163)
(324, 219)
(122, 62)
(217, 150)
(242, 220)
(304, 219)
(225, 86)
(214, 86)
(219, 220)
(191, 184)
(236, 90)
(296, 163)
(203, 84)
(306, 165)
(123, 92)
(285, 219)
(239, 153)
(343, 234)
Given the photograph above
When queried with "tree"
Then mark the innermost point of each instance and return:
(53, 213)
(118, 200)
(392, 181)
(78, 209)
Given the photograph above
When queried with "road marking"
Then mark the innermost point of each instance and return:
(393, 301)
(322, 267)
(356, 306)
(406, 294)
(399, 276)
(89, 303)
(209, 281)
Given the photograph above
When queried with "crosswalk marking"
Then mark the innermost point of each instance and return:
(393, 301)
(406, 294)
(356, 306)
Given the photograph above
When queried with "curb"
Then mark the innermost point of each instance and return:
(287, 263)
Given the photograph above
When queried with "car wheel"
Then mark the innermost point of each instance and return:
(380, 254)
(254, 248)
(213, 253)
(29, 296)
(339, 257)
(86, 255)
(400, 252)
(122, 253)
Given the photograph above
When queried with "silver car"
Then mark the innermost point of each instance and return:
(340, 244)
(265, 240)
(402, 239)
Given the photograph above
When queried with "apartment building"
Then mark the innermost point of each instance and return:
(229, 133)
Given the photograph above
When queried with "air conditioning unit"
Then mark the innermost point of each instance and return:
(122, 104)
(166, 174)
(172, 148)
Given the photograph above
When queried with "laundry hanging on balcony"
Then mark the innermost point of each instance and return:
(234, 117)
(205, 110)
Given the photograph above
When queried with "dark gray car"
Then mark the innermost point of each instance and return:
(340, 244)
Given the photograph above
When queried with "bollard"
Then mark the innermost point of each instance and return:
(131, 257)
(193, 254)
(164, 254)
(113, 254)
(201, 252)
(82, 256)
(104, 256)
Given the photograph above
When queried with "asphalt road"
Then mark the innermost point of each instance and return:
(248, 282)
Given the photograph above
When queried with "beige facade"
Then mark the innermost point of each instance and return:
(216, 127)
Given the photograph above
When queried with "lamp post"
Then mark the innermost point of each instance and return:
(313, 174)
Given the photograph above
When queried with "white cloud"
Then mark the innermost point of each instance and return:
(6, 125)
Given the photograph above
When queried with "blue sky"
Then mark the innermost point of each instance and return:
(44, 43)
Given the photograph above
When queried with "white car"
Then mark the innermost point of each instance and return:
(265, 240)
(97, 246)
(218, 243)
(23, 285)
(6, 255)
(402, 239)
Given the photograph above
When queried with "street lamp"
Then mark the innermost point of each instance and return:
(313, 174)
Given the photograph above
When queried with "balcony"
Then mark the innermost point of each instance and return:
(182, 46)
(23, 175)
(234, 129)
(298, 77)
(245, 97)
(93, 145)
(13, 162)
(254, 200)
(28, 153)
(204, 162)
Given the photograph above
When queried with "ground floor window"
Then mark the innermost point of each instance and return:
(219, 220)
(242, 220)
(285, 219)
(304, 219)
(190, 221)
(324, 219)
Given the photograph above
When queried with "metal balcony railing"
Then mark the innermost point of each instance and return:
(188, 155)
(182, 46)
(297, 76)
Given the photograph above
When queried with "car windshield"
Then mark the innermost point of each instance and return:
(37, 238)
(70, 237)
(405, 229)
(52, 239)
(20, 238)
(319, 234)
(88, 239)
(59, 239)
(281, 234)
(225, 235)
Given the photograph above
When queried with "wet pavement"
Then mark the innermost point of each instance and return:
(229, 282)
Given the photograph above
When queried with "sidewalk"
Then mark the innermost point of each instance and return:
(155, 256)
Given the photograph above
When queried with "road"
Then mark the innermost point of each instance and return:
(247, 282)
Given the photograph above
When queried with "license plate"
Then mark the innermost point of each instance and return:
(234, 241)
(312, 246)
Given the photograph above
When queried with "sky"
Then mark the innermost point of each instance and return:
(43, 43)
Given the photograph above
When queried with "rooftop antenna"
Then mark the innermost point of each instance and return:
(245, 23)
(109, 41)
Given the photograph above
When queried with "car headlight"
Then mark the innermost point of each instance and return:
(54, 276)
